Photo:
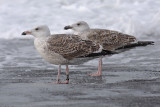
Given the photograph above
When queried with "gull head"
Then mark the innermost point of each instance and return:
(40, 31)
(80, 26)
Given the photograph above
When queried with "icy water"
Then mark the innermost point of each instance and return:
(130, 79)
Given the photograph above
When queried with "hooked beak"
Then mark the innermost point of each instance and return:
(68, 27)
(26, 33)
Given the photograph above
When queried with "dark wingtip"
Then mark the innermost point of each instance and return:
(146, 42)
(67, 27)
(24, 33)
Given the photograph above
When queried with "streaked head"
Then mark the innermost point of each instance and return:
(40, 31)
(80, 26)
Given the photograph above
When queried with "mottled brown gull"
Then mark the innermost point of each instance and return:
(109, 40)
(61, 49)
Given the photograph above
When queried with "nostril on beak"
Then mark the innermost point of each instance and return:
(67, 27)
(24, 33)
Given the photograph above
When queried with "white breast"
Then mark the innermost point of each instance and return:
(51, 57)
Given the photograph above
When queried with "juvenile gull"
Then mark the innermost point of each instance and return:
(109, 40)
(61, 49)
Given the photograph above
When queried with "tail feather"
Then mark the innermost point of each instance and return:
(139, 43)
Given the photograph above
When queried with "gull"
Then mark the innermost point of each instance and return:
(108, 40)
(62, 49)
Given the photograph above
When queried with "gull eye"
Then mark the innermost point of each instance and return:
(78, 24)
(36, 28)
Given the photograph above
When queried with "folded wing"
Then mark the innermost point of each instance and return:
(70, 46)
(110, 40)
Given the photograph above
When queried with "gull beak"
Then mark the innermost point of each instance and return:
(26, 33)
(68, 27)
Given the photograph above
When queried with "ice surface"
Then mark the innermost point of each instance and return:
(136, 17)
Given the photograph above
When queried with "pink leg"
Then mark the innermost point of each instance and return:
(59, 73)
(99, 73)
(58, 76)
(67, 75)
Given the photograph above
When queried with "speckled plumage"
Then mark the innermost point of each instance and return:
(62, 48)
(110, 40)
(70, 46)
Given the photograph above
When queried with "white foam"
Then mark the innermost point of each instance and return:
(137, 17)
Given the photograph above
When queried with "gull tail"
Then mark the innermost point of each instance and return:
(137, 44)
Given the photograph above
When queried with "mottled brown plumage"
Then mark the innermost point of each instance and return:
(61, 49)
(71, 46)
(110, 40)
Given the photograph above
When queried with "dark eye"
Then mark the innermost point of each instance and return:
(78, 24)
(36, 28)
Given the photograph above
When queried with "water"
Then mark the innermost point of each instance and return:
(129, 79)
(136, 17)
